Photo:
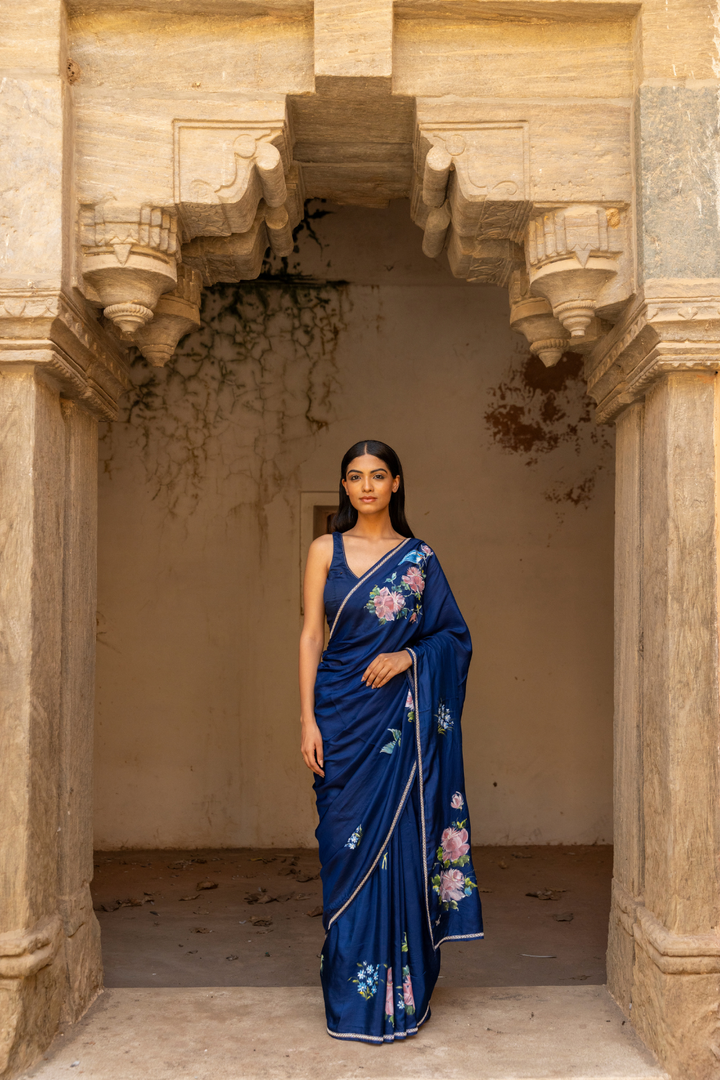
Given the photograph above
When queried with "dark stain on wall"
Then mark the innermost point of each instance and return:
(536, 410)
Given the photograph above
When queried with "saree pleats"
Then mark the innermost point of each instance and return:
(393, 832)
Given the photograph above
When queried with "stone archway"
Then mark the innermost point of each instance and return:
(566, 155)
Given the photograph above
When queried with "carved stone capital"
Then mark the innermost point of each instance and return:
(129, 259)
(58, 333)
(573, 254)
(176, 314)
(657, 334)
(471, 192)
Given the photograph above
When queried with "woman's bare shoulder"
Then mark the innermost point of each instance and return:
(321, 550)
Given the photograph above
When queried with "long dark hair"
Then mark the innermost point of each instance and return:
(347, 515)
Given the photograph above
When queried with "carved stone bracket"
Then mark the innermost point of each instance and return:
(239, 256)
(236, 191)
(57, 333)
(129, 259)
(572, 255)
(176, 314)
(471, 194)
(656, 335)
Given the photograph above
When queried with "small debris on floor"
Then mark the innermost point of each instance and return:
(314, 912)
(193, 897)
(232, 956)
(261, 920)
(200, 930)
(564, 916)
(540, 956)
(547, 894)
(206, 885)
(520, 855)
(307, 877)
(503, 865)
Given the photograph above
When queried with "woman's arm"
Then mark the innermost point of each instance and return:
(312, 639)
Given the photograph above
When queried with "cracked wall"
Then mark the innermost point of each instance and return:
(356, 336)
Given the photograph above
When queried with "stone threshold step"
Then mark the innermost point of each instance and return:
(278, 1033)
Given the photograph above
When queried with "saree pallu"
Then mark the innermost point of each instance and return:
(394, 835)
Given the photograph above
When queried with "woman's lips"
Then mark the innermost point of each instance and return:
(368, 498)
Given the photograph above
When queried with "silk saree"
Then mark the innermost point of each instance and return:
(393, 834)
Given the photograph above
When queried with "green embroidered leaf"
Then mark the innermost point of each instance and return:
(389, 747)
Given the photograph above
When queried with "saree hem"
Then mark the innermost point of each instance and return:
(381, 1038)
(459, 937)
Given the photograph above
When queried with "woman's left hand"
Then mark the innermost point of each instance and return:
(385, 667)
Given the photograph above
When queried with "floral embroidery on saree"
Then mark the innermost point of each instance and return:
(401, 599)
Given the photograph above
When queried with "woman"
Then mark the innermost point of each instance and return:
(380, 717)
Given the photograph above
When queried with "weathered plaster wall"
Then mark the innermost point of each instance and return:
(200, 486)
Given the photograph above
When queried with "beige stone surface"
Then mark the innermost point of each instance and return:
(517, 1033)
(371, 101)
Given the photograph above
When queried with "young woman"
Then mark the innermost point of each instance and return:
(381, 731)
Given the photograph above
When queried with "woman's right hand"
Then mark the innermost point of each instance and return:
(311, 746)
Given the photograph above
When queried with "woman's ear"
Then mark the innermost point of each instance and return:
(396, 484)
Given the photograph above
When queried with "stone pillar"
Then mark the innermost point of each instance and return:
(50, 964)
(77, 712)
(59, 373)
(657, 373)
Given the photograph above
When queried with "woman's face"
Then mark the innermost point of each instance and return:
(369, 484)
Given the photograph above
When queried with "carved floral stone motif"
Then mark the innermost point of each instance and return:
(129, 259)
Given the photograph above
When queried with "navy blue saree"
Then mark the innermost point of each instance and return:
(394, 835)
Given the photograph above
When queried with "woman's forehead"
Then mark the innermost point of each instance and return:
(367, 463)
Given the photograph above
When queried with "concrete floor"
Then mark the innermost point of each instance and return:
(200, 992)
(157, 942)
(277, 1033)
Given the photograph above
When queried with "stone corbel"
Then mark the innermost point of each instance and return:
(129, 259)
(176, 314)
(470, 196)
(573, 255)
(239, 255)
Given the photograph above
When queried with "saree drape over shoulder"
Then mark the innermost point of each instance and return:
(394, 834)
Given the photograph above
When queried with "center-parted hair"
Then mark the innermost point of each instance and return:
(347, 515)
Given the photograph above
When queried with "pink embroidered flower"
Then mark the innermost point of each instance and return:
(385, 606)
(454, 844)
(409, 703)
(398, 600)
(414, 580)
(389, 1006)
(452, 885)
(408, 996)
(426, 549)
(457, 802)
